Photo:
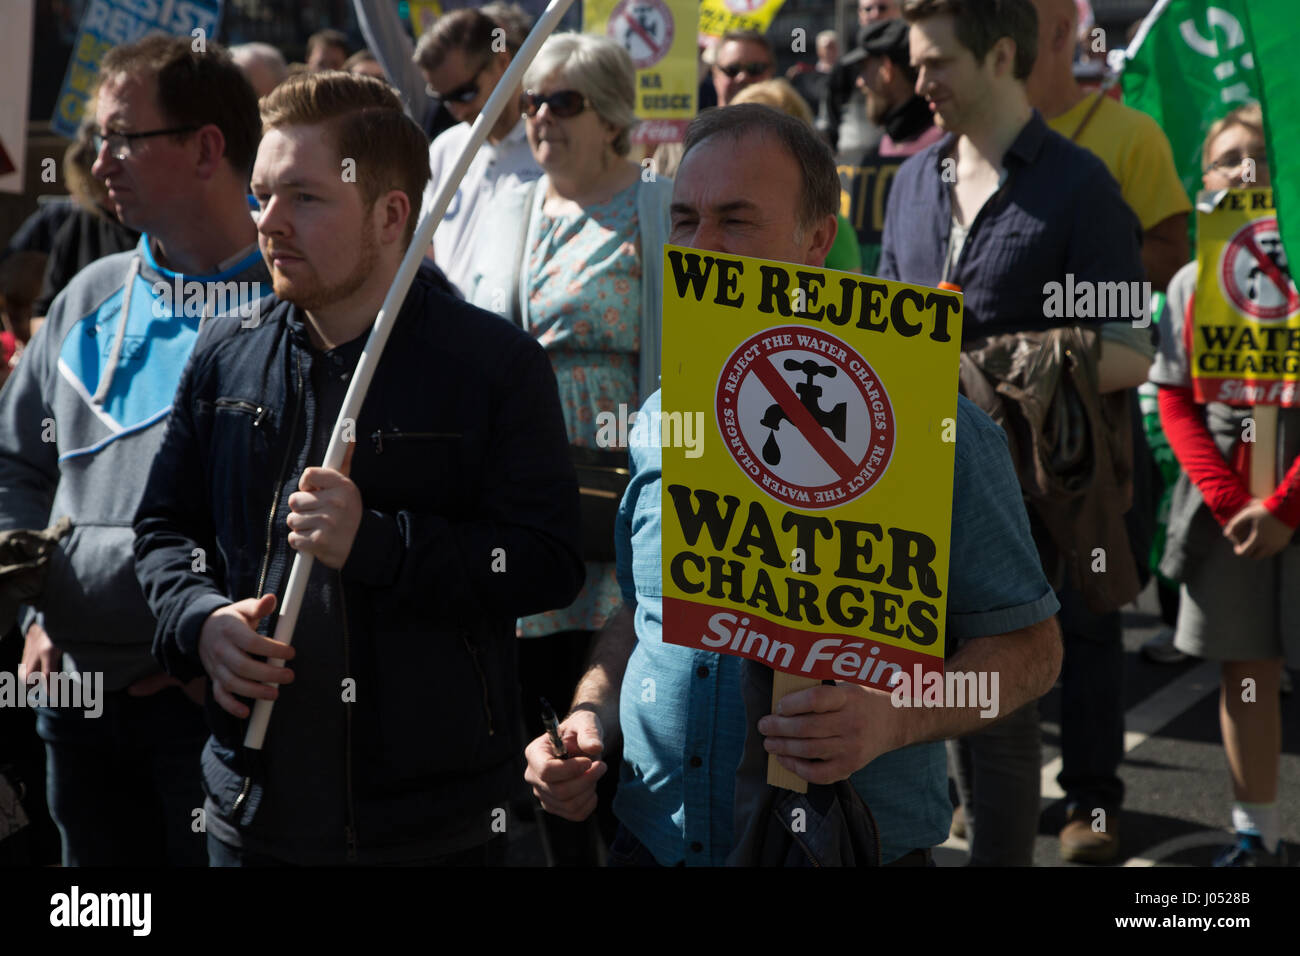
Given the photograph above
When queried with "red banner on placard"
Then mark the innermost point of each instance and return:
(810, 653)
(660, 131)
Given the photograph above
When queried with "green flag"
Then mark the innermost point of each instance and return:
(1190, 63)
(1276, 33)
(1193, 61)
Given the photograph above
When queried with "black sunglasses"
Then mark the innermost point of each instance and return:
(753, 69)
(563, 103)
(465, 93)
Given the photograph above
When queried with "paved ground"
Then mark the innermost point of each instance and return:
(1178, 795)
(1177, 804)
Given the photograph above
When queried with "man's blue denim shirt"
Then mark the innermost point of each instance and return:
(681, 710)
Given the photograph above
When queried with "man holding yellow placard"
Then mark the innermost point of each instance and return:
(756, 183)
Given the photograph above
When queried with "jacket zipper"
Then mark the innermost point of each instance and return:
(257, 411)
(807, 852)
(350, 828)
(270, 528)
(279, 482)
(378, 437)
(482, 679)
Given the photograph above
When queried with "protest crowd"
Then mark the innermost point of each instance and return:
(180, 338)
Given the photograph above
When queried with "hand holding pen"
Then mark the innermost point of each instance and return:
(564, 763)
(552, 726)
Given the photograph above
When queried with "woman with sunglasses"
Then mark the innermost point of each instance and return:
(1239, 579)
(576, 259)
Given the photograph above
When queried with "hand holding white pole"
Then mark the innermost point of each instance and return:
(502, 98)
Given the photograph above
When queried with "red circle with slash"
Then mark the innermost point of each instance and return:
(644, 28)
(805, 417)
(1253, 281)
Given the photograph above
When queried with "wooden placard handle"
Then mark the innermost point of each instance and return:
(777, 775)
(1263, 454)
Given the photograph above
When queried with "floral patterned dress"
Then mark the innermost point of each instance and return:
(584, 307)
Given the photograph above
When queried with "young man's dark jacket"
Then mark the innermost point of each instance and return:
(471, 520)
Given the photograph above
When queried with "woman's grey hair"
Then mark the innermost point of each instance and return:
(599, 69)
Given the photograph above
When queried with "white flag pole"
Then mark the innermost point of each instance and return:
(502, 98)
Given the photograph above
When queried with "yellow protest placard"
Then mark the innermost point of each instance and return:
(719, 16)
(1246, 329)
(104, 25)
(424, 15)
(809, 530)
(658, 35)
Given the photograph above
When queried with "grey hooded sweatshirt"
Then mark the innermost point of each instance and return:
(80, 421)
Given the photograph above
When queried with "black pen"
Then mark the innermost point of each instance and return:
(552, 726)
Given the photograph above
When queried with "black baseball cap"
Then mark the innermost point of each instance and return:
(885, 38)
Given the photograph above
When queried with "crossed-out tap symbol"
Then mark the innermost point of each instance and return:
(809, 393)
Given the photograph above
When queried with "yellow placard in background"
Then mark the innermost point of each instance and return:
(658, 35)
(719, 16)
(424, 15)
(1246, 329)
(810, 528)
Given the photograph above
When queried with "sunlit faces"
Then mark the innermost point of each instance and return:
(1237, 160)
(326, 56)
(949, 77)
(465, 82)
(828, 48)
(260, 76)
(869, 11)
(742, 197)
(740, 63)
(570, 146)
(369, 68)
(148, 187)
(317, 237)
(871, 81)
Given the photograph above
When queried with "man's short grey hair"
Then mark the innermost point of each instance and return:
(246, 54)
(821, 181)
(598, 68)
(826, 36)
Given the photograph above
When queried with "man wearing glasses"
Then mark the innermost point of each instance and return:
(744, 58)
(463, 58)
(81, 419)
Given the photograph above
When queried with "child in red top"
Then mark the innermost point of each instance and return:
(1240, 597)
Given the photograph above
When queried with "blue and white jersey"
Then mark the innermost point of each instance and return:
(124, 366)
(81, 419)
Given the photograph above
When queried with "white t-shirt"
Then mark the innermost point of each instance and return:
(494, 168)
